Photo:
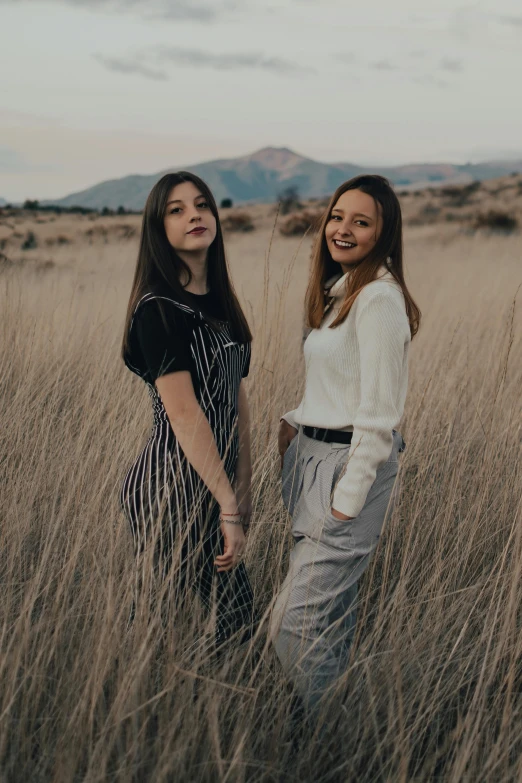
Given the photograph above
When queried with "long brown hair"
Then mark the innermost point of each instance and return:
(159, 267)
(388, 251)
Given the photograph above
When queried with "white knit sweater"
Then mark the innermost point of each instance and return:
(356, 379)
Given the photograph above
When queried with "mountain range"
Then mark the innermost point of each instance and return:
(264, 174)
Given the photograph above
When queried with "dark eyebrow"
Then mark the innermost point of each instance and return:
(179, 201)
(357, 214)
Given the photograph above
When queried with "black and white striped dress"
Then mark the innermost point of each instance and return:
(170, 510)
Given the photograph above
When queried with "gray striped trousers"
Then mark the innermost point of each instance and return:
(313, 619)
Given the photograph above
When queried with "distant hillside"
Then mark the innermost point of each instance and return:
(264, 174)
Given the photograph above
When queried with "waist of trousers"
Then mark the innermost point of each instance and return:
(328, 436)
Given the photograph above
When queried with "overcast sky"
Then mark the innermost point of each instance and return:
(96, 89)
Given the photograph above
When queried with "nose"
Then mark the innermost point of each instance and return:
(195, 217)
(344, 229)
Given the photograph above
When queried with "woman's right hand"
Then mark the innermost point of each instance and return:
(286, 434)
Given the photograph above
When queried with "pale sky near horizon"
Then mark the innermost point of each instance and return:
(97, 89)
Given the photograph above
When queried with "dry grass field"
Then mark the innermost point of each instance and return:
(434, 690)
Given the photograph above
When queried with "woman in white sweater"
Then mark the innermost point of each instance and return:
(339, 448)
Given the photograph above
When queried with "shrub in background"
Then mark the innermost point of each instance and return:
(78, 210)
(289, 200)
(428, 213)
(496, 220)
(97, 233)
(460, 194)
(226, 203)
(124, 231)
(239, 221)
(61, 239)
(30, 241)
(5, 261)
(300, 222)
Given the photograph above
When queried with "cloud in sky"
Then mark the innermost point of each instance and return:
(131, 67)
(102, 65)
(200, 58)
(383, 65)
(431, 80)
(448, 65)
(181, 10)
(451, 65)
(346, 57)
(514, 21)
(146, 63)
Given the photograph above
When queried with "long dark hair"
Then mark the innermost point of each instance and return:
(159, 268)
(387, 251)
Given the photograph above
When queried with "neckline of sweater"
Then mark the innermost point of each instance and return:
(335, 287)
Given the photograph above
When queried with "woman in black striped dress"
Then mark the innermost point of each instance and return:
(187, 494)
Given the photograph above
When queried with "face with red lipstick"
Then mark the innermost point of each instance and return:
(189, 223)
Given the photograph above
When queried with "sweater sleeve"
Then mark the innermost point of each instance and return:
(289, 417)
(382, 332)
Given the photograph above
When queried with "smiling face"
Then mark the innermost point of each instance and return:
(189, 223)
(353, 228)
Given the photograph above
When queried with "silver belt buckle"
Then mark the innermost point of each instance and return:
(316, 430)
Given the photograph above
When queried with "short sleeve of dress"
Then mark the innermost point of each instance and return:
(164, 347)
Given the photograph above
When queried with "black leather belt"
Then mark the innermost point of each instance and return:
(328, 436)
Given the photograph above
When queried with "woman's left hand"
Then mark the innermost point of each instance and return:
(233, 547)
(342, 517)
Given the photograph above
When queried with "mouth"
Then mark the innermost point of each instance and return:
(344, 245)
(198, 231)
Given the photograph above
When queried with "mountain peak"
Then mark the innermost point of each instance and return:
(262, 175)
(276, 158)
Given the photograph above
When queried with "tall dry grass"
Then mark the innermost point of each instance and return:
(433, 690)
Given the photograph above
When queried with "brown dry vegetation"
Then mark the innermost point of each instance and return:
(237, 221)
(466, 204)
(434, 687)
(299, 223)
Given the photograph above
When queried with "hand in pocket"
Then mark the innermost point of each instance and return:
(285, 436)
(339, 516)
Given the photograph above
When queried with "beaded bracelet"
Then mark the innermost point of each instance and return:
(231, 521)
